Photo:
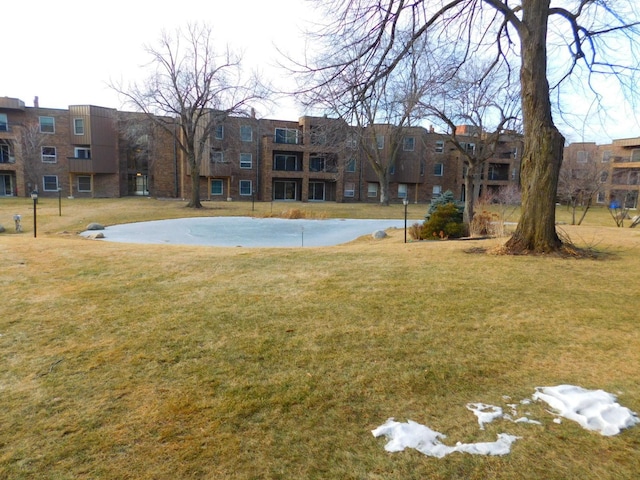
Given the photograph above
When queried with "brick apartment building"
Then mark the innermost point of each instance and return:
(615, 166)
(90, 151)
(83, 151)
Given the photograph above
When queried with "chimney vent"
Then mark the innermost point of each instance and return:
(36, 103)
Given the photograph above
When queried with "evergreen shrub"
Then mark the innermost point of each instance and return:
(445, 222)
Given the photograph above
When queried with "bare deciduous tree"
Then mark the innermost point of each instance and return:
(31, 143)
(483, 99)
(580, 180)
(517, 35)
(379, 119)
(196, 86)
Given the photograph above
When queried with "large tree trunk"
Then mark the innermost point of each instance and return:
(471, 190)
(194, 168)
(543, 143)
(384, 190)
(467, 215)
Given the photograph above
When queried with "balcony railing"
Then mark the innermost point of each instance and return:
(287, 136)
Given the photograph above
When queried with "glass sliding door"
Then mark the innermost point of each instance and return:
(316, 191)
(6, 185)
(285, 190)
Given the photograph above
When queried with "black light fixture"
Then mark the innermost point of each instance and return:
(34, 196)
(405, 202)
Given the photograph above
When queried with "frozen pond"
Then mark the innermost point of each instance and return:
(246, 231)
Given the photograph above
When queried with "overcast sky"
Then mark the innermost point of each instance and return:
(66, 52)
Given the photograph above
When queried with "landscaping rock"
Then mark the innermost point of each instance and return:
(94, 236)
(95, 226)
(379, 234)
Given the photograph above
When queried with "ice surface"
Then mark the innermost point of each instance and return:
(246, 231)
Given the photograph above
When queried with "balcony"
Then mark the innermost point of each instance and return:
(220, 169)
(90, 165)
(81, 165)
(287, 163)
(322, 165)
(498, 172)
(287, 136)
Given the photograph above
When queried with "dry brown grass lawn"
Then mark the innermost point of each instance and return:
(164, 362)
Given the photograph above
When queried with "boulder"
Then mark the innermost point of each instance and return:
(95, 226)
(94, 236)
(379, 234)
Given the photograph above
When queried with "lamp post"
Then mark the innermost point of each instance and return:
(405, 202)
(59, 201)
(34, 196)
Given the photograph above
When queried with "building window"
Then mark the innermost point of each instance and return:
(582, 156)
(286, 135)
(402, 190)
(216, 156)
(604, 176)
(316, 164)
(50, 183)
(5, 152)
(246, 160)
(606, 156)
(380, 141)
(601, 197)
(217, 187)
(436, 191)
(635, 155)
(423, 167)
(409, 144)
(48, 154)
(78, 126)
(351, 165)
(47, 125)
(82, 152)
(288, 163)
(392, 170)
(352, 142)
(4, 124)
(219, 132)
(440, 146)
(372, 190)
(84, 183)
(245, 187)
(438, 169)
(246, 133)
(349, 189)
